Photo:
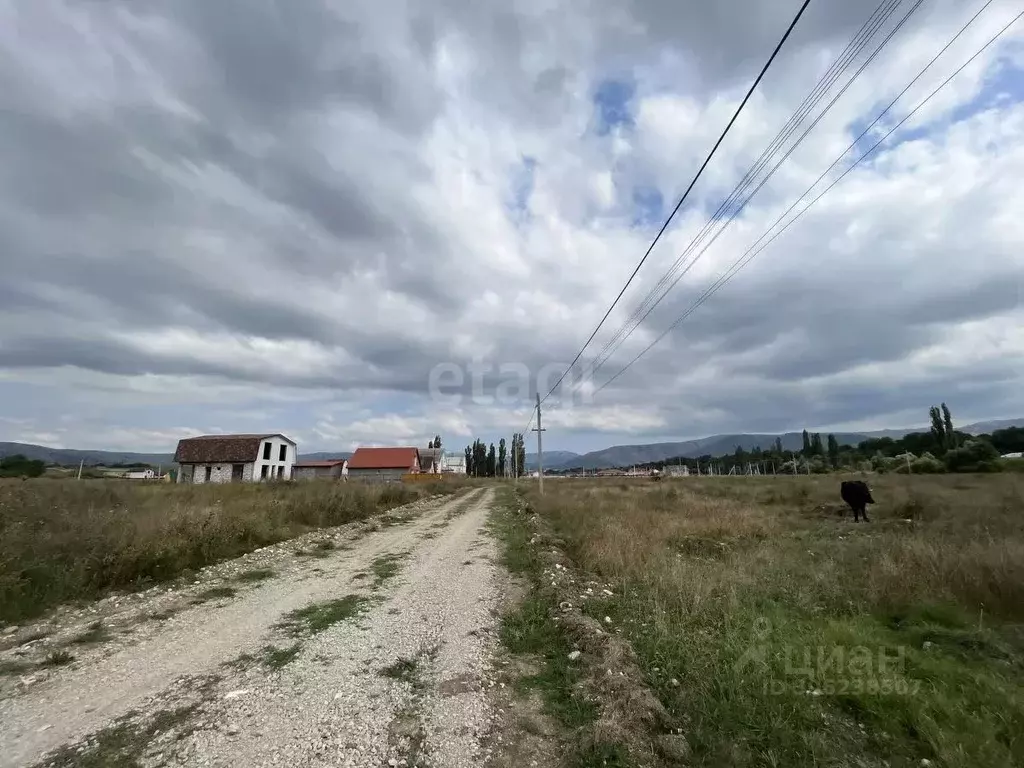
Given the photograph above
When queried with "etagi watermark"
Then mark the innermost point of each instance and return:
(828, 670)
(484, 383)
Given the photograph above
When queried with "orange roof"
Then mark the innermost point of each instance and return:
(384, 458)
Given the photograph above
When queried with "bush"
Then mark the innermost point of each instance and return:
(973, 456)
(19, 466)
(927, 464)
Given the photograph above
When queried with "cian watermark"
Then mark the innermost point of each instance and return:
(827, 670)
(482, 382)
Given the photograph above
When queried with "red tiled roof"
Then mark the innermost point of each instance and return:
(320, 463)
(228, 449)
(384, 458)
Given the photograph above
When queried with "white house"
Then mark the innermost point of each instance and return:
(141, 474)
(453, 462)
(235, 458)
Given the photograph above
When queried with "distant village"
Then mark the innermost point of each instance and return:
(263, 457)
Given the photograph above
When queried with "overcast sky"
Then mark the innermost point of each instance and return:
(247, 215)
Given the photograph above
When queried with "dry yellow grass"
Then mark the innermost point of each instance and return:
(67, 539)
(708, 569)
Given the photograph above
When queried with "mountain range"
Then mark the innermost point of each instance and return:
(616, 456)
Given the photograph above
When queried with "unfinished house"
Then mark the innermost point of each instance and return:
(235, 458)
(383, 465)
(326, 469)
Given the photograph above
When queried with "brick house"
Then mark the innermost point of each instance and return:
(334, 469)
(234, 458)
(383, 464)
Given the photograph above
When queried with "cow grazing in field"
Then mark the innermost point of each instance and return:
(857, 494)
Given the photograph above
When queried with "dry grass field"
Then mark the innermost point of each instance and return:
(778, 633)
(63, 540)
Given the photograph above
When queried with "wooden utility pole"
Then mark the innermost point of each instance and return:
(540, 450)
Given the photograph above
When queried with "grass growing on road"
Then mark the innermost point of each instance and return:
(63, 540)
(96, 632)
(123, 744)
(385, 567)
(784, 634)
(317, 617)
(276, 658)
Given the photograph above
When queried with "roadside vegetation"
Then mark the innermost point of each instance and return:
(531, 633)
(63, 540)
(779, 632)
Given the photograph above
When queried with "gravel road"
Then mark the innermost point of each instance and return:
(395, 672)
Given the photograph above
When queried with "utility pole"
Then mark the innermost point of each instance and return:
(540, 450)
(80, 465)
(515, 450)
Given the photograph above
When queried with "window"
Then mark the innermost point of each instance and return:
(263, 472)
(284, 453)
(208, 470)
(266, 451)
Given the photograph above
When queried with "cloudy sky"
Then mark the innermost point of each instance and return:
(317, 216)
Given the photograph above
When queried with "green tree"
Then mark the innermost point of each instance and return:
(437, 442)
(778, 446)
(947, 425)
(18, 465)
(816, 447)
(469, 460)
(833, 451)
(502, 455)
(807, 444)
(973, 456)
(492, 462)
(938, 428)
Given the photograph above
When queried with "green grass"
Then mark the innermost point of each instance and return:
(783, 634)
(255, 575)
(65, 540)
(527, 630)
(317, 617)
(385, 567)
(276, 658)
(123, 744)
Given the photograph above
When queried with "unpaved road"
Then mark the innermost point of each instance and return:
(397, 675)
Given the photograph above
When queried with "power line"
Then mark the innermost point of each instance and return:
(700, 171)
(754, 250)
(837, 67)
(732, 201)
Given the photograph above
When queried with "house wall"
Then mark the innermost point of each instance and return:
(219, 473)
(274, 462)
(313, 473)
(377, 475)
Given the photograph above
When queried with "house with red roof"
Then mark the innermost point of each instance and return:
(383, 464)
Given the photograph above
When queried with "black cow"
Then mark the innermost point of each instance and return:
(857, 494)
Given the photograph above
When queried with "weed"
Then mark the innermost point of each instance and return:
(317, 617)
(403, 669)
(791, 616)
(386, 567)
(96, 632)
(57, 658)
(122, 744)
(164, 615)
(66, 540)
(276, 658)
(528, 630)
(216, 593)
(256, 574)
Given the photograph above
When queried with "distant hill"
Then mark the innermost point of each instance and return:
(719, 445)
(70, 457)
(552, 459)
(616, 456)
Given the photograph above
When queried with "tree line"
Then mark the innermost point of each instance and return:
(507, 461)
(941, 449)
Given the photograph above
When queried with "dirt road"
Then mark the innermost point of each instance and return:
(377, 651)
